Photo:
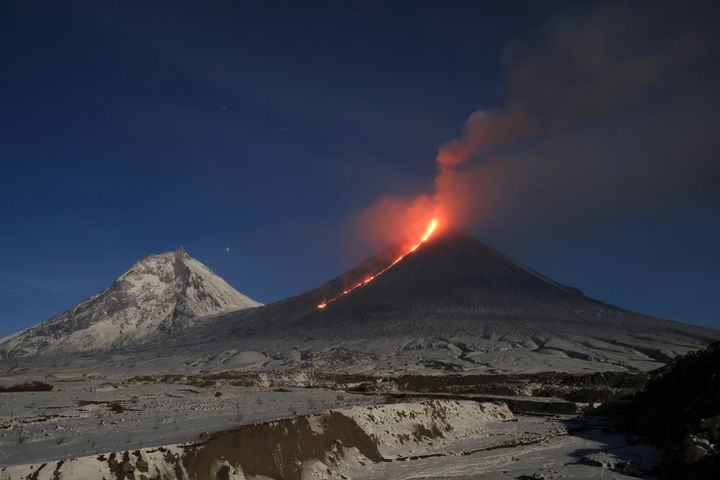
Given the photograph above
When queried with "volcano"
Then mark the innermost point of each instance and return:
(458, 304)
(158, 297)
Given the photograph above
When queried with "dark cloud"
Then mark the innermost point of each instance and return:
(593, 64)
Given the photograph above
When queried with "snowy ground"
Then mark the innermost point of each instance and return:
(73, 430)
(430, 440)
(544, 447)
(84, 416)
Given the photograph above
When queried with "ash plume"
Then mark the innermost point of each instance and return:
(609, 110)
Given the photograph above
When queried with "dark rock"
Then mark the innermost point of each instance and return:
(142, 465)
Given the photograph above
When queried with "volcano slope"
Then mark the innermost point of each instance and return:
(455, 305)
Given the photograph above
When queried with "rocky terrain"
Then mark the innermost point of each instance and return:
(679, 410)
(430, 439)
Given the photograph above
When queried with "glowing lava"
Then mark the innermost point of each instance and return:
(428, 232)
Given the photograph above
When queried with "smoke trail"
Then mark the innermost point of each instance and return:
(609, 110)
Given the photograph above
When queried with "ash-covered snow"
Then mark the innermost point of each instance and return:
(436, 439)
(399, 429)
(158, 297)
(85, 416)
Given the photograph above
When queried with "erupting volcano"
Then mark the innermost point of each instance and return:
(432, 226)
(448, 302)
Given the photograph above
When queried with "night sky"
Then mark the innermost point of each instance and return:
(253, 134)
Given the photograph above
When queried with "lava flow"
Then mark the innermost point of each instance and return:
(428, 232)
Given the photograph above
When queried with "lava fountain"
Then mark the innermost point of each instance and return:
(432, 226)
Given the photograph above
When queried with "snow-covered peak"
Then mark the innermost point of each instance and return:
(158, 296)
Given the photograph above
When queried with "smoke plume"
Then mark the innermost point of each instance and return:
(608, 110)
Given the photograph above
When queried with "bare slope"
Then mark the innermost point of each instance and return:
(158, 297)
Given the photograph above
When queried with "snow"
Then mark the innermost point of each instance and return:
(397, 428)
(412, 440)
(76, 420)
(530, 446)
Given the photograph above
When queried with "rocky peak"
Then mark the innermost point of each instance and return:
(159, 295)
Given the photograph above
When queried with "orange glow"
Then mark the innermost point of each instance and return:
(432, 226)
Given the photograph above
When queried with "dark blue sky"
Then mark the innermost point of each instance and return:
(135, 128)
